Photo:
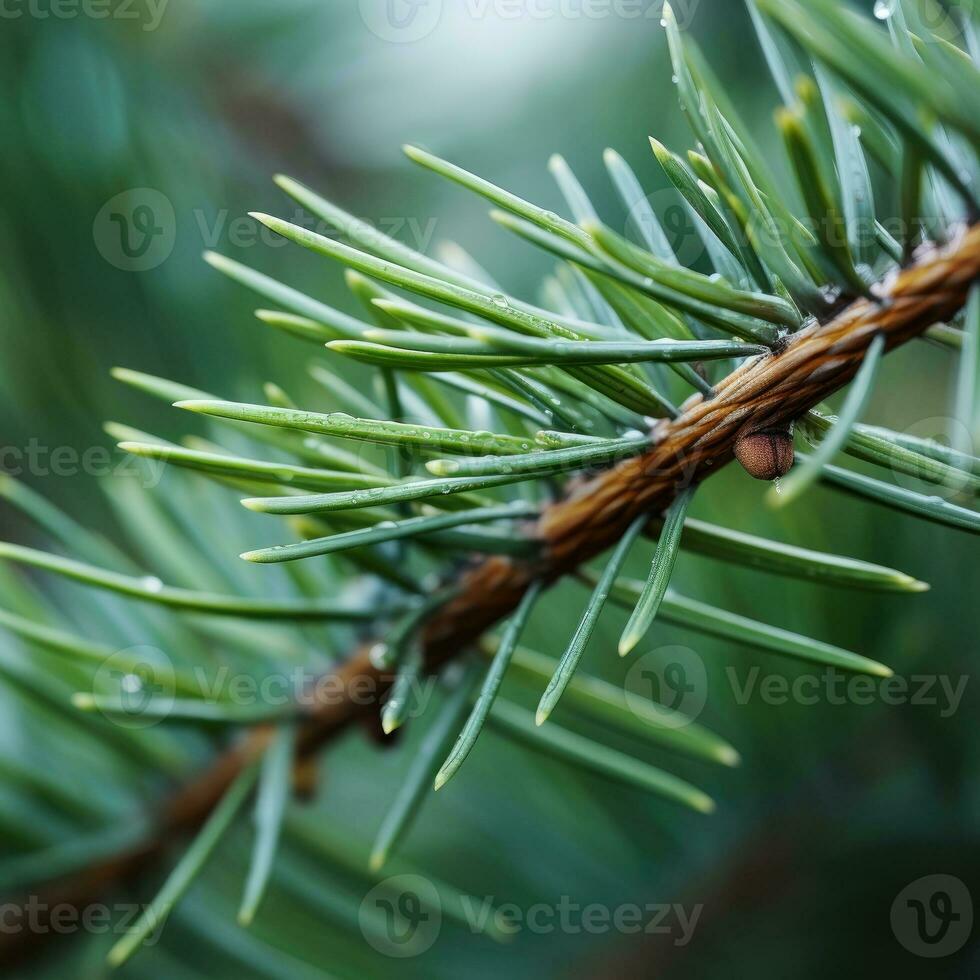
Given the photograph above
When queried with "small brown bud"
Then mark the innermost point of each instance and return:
(766, 455)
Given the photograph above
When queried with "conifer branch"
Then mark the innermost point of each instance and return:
(765, 392)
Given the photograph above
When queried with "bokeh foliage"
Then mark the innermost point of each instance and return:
(835, 807)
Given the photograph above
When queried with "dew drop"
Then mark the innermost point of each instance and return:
(131, 684)
(151, 583)
(500, 300)
(377, 654)
(884, 9)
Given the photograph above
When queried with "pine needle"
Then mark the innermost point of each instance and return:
(151, 589)
(187, 869)
(966, 438)
(590, 616)
(589, 754)
(858, 396)
(488, 692)
(411, 527)
(418, 778)
(662, 568)
(270, 807)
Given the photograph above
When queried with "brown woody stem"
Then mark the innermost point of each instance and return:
(764, 393)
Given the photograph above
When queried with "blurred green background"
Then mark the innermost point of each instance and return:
(836, 808)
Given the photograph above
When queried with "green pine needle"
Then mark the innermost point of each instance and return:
(703, 201)
(544, 463)
(662, 568)
(378, 496)
(609, 705)
(931, 448)
(703, 289)
(488, 692)
(187, 869)
(275, 783)
(827, 221)
(340, 425)
(291, 299)
(784, 559)
(929, 508)
(967, 398)
(388, 531)
(485, 341)
(401, 698)
(590, 616)
(863, 442)
(397, 644)
(186, 709)
(422, 767)
(644, 218)
(858, 396)
(151, 589)
(288, 474)
(588, 754)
